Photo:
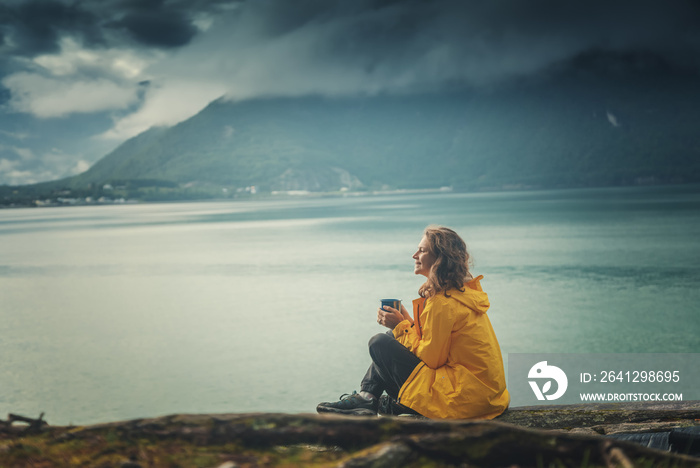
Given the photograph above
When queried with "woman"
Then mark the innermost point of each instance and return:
(445, 361)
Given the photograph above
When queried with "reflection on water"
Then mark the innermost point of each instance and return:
(118, 312)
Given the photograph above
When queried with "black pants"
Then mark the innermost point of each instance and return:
(392, 364)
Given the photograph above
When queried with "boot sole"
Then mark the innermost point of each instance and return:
(355, 412)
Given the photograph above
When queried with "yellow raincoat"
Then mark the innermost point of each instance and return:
(461, 374)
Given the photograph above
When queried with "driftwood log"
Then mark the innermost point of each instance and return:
(570, 438)
(33, 426)
(607, 418)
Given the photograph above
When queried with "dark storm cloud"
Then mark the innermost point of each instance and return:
(328, 46)
(375, 33)
(245, 49)
(30, 28)
(372, 45)
(158, 29)
(35, 27)
(159, 23)
(469, 30)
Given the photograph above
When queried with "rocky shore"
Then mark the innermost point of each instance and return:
(551, 436)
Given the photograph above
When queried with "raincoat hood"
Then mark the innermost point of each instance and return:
(472, 296)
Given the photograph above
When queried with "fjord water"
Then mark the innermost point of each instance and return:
(118, 312)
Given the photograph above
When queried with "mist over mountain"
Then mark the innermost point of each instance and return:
(601, 119)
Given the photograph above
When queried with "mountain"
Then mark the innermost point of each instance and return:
(600, 120)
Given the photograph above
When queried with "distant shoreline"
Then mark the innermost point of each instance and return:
(65, 201)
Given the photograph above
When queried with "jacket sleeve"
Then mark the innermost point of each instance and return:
(406, 334)
(434, 346)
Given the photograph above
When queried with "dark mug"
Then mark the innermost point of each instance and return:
(395, 303)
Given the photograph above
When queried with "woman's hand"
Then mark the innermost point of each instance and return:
(390, 317)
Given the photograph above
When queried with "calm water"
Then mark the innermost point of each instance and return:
(117, 312)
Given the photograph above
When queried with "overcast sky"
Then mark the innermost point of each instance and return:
(77, 78)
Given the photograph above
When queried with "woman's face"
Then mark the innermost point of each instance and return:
(424, 259)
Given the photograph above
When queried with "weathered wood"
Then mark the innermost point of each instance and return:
(393, 441)
(263, 439)
(34, 425)
(608, 418)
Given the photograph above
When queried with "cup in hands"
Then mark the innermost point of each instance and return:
(395, 303)
(387, 318)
